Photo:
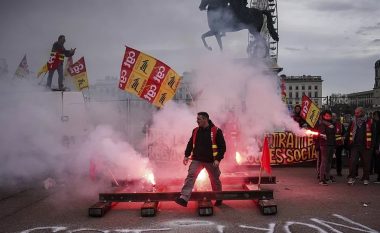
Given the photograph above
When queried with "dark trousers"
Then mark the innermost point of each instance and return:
(326, 155)
(374, 163)
(377, 164)
(338, 159)
(365, 155)
(60, 77)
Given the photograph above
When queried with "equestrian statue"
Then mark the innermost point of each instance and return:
(234, 15)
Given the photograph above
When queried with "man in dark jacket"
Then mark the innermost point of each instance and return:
(340, 131)
(361, 133)
(207, 147)
(376, 144)
(58, 52)
(327, 146)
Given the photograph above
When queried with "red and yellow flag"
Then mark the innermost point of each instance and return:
(309, 111)
(54, 60)
(78, 72)
(43, 70)
(69, 62)
(147, 77)
(22, 69)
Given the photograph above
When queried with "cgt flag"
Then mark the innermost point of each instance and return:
(22, 69)
(309, 111)
(43, 70)
(69, 62)
(265, 156)
(79, 74)
(147, 77)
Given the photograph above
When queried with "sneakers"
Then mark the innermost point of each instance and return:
(331, 180)
(365, 182)
(181, 202)
(323, 182)
(351, 181)
(218, 203)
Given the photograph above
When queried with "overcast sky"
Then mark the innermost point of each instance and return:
(339, 40)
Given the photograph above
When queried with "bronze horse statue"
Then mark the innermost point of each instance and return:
(233, 15)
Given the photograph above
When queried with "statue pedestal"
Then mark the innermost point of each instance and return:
(275, 67)
(269, 63)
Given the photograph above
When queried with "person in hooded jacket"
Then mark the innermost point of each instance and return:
(327, 145)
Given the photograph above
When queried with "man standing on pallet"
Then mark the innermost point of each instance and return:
(207, 147)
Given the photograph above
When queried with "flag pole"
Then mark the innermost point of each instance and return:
(42, 79)
(261, 163)
(261, 170)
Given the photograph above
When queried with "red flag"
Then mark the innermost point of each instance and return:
(265, 156)
(54, 60)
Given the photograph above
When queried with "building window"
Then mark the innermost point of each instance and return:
(303, 93)
(296, 87)
(290, 88)
(309, 87)
(290, 94)
(316, 94)
(309, 94)
(297, 95)
(315, 87)
(303, 87)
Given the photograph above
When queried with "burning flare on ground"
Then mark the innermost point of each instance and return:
(149, 176)
(238, 158)
(201, 182)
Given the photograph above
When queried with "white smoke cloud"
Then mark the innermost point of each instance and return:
(35, 144)
(113, 156)
(249, 90)
(231, 92)
(101, 142)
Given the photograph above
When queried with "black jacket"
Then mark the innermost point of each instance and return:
(329, 132)
(57, 47)
(203, 145)
(376, 134)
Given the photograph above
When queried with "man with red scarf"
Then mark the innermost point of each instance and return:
(361, 132)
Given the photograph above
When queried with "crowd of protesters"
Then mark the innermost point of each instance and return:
(357, 137)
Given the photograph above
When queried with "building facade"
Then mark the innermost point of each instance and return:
(297, 86)
(362, 99)
(368, 99)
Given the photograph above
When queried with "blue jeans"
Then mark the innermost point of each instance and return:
(60, 76)
(193, 172)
